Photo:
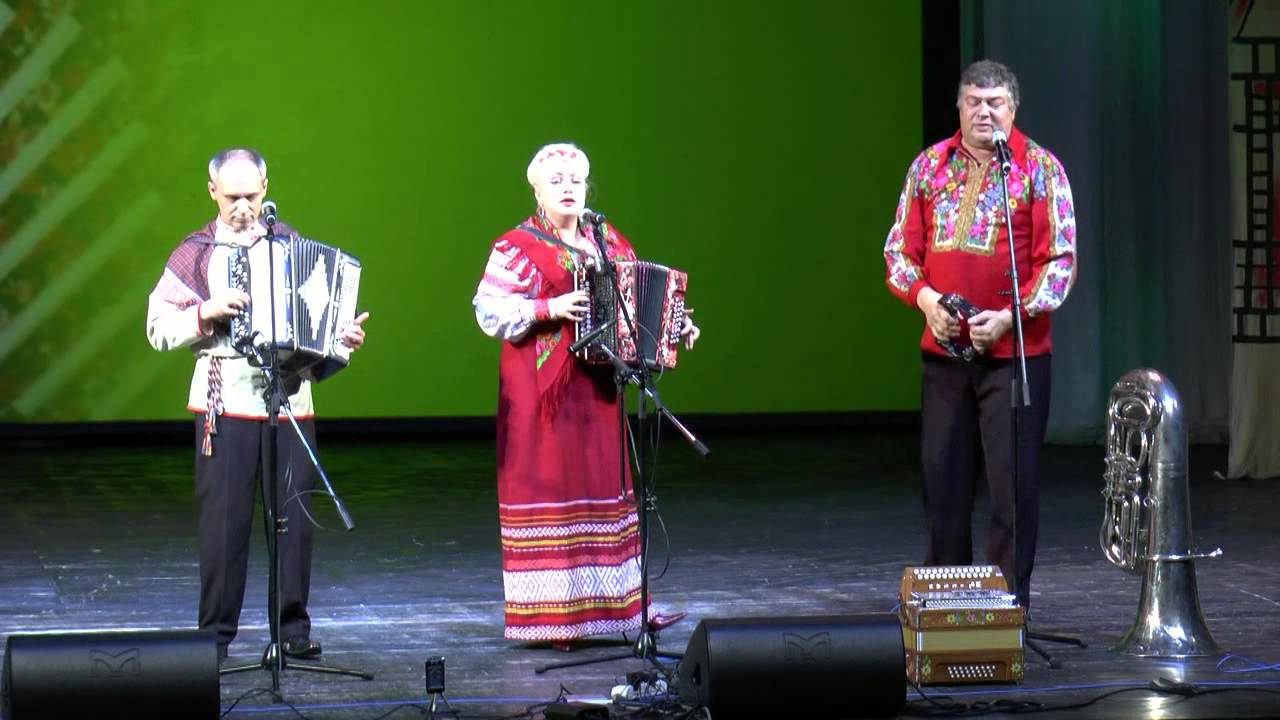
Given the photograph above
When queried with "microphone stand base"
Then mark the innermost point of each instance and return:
(273, 662)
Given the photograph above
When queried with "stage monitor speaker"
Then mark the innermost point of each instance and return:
(837, 666)
(111, 675)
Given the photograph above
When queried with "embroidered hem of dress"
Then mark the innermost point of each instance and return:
(572, 631)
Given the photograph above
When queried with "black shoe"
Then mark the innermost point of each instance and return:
(222, 653)
(301, 647)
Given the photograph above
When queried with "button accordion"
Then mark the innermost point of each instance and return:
(962, 310)
(316, 289)
(960, 625)
(653, 296)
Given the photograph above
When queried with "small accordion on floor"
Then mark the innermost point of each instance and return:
(960, 625)
(653, 295)
(316, 288)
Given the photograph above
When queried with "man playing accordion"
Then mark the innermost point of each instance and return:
(949, 244)
(191, 307)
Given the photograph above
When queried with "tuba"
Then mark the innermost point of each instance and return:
(1146, 528)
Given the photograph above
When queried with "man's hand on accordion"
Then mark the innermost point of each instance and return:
(353, 334)
(225, 303)
(569, 306)
(941, 323)
(689, 332)
(989, 326)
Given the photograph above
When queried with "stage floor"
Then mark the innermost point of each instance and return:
(771, 525)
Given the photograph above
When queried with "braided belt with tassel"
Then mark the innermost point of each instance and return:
(214, 405)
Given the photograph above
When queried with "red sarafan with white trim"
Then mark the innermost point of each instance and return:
(570, 532)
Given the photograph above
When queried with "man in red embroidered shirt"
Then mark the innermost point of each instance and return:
(949, 237)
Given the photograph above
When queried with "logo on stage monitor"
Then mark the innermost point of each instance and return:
(103, 664)
(807, 650)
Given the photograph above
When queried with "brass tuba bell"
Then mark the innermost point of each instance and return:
(1146, 527)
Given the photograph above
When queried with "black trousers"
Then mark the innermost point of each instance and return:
(225, 489)
(966, 425)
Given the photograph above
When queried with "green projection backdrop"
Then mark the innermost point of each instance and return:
(758, 145)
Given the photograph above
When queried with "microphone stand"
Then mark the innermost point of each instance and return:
(1019, 396)
(268, 359)
(646, 644)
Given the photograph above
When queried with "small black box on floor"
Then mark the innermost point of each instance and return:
(810, 667)
(111, 675)
(434, 674)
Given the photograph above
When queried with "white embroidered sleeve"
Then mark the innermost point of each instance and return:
(173, 314)
(505, 303)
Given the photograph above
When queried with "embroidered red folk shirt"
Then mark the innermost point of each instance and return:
(949, 234)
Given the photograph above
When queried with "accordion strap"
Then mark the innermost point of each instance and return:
(554, 258)
(546, 236)
(552, 239)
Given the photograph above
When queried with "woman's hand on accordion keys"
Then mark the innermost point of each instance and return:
(689, 332)
(353, 334)
(569, 306)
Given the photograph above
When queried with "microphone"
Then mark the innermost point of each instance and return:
(597, 219)
(585, 340)
(253, 351)
(269, 213)
(1003, 153)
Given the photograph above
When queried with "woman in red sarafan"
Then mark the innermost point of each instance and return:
(570, 533)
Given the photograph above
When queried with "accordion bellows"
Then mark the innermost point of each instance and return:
(316, 287)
